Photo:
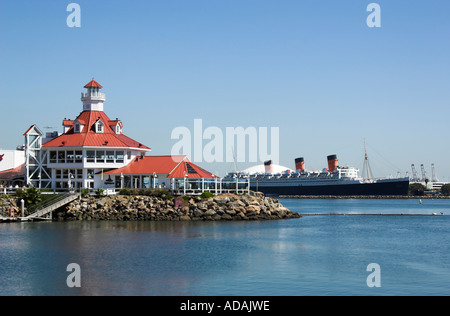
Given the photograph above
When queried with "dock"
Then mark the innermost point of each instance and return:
(22, 219)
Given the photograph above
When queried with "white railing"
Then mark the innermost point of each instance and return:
(99, 95)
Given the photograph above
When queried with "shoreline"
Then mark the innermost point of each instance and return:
(364, 197)
(150, 208)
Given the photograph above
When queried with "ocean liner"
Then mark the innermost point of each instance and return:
(334, 180)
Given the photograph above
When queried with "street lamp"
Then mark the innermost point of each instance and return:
(184, 187)
(70, 181)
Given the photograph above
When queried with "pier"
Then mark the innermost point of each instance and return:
(23, 219)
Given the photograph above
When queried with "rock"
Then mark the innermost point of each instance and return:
(223, 207)
(202, 206)
(230, 212)
(210, 213)
(198, 213)
(226, 217)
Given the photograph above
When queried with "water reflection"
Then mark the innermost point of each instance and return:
(311, 255)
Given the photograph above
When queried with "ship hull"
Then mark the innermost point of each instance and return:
(342, 188)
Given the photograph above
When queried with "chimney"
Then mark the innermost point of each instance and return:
(300, 164)
(332, 163)
(268, 167)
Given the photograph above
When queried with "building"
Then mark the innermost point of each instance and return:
(12, 167)
(94, 153)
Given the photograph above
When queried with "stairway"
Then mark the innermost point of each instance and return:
(50, 205)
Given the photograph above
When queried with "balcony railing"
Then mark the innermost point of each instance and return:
(95, 95)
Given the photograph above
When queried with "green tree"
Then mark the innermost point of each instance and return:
(445, 189)
(416, 189)
(31, 196)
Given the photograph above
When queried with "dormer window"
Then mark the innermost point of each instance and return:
(77, 128)
(118, 129)
(99, 127)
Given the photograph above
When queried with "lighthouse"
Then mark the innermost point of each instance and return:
(93, 99)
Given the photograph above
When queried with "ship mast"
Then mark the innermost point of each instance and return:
(367, 169)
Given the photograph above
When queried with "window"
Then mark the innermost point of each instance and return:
(118, 128)
(61, 157)
(78, 156)
(70, 156)
(58, 174)
(90, 174)
(100, 155)
(77, 128)
(119, 156)
(110, 157)
(90, 156)
(100, 126)
(53, 157)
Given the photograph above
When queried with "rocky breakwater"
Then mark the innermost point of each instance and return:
(145, 208)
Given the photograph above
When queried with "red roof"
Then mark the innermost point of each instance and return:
(93, 84)
(88, 136)
(173, 166)
(18, 172)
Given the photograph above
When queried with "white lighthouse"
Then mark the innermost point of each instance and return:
(93, 99)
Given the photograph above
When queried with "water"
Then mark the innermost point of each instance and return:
(314, 255)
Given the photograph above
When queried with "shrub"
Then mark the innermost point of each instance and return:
(31, 196)
(180, 202)
(416, 189)
(100, 192)
(445, 189)
(126, 191)
(207, 195)
(84, 192)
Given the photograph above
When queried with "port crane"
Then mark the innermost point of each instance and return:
(424, 174)
(415, 176)
(434, 178)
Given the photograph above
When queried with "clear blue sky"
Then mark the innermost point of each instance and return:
(312, 68)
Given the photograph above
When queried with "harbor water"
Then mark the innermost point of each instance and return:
(313, 255)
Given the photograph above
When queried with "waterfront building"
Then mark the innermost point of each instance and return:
(93, 152)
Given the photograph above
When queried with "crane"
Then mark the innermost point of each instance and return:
(415, 176)
(433, 171)
(424, 174)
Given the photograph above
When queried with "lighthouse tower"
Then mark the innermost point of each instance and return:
(93, 99)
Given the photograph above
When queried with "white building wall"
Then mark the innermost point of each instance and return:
(11, 159)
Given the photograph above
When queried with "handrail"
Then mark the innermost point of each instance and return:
(49, 202)
(45, 208)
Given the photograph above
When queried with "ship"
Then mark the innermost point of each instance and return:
(335, 181)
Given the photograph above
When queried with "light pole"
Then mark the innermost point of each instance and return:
(70, 181)
(184, 187)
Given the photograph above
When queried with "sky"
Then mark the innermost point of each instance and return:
(313, 69)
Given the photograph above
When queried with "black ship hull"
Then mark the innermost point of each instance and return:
(382, 187)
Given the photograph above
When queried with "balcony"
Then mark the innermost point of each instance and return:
(93, 96)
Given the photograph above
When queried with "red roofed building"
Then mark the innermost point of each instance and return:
(160, 171)
(93, 152)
